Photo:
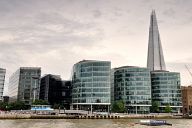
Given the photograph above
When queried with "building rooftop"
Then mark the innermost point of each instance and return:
(129, 67)
(92, 61)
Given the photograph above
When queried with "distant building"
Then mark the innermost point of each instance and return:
(91, 85)
(133, 86)
(165, 85)
(2, 81)
(24, 84)
(155, 59)
(166, 90)
(66, 95)
(55, 91)
(186, 99)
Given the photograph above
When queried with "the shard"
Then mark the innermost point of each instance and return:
(155, 58)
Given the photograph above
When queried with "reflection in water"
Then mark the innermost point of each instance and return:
(87, 123)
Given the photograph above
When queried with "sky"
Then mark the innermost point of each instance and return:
(56, 34)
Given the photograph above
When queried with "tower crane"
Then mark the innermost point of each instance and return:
(188, 70)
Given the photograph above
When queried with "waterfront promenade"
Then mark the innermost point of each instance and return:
(82, 115)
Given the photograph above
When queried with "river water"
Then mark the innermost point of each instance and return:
(88, 123)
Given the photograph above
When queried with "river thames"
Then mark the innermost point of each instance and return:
(87, 123)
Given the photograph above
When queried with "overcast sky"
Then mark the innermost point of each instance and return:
(55, 34)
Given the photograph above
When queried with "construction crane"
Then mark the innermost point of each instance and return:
(188, 70)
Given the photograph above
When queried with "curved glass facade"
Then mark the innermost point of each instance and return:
(133, 86)
(166, 89)
(91, 83)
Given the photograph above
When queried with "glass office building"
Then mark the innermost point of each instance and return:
(133, 86)
(55, 91)
(2, 81)
(91, 85)
(166, 90)
(24, 84)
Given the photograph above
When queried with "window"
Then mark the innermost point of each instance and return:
(63, 94)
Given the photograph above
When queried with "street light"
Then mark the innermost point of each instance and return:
(64, 109)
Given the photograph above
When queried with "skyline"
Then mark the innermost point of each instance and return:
(55, 34)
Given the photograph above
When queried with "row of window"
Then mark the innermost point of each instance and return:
(166, 91)
(91, 90)
(166, 95)
(95, 64)
(123, 79)
(91, 100)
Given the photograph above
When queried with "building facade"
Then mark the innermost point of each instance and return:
(133, 86)
(166, 90)
(2, 81)
(55, 91)
(91, 85)
(186, 99)
(24, 84)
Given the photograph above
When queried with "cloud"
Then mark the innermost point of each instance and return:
(55, 34)
(97, 13)
(169, 12)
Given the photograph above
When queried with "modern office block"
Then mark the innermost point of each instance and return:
(133, 86)
(2, 81)
(66, 96)
(24, 84)
(55, 91)
(186, 99)
(166, 90)
(91, 85)
(155, 59)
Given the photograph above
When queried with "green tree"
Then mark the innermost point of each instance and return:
(3, 106)
(56, 106)
(168, 109)
(118, 106)
(155, 107)
(40, 102)
(18, 105)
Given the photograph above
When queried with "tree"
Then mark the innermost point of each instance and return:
(3, 106)
(40, 102)
(18, 105)
(168, 109)
(155, 107)
(118, 106)
(56, 106)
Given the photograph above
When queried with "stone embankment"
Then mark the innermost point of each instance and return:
(88, 116)
(35, 116)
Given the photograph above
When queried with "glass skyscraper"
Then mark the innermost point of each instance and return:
(166, 90)
(133, 86)
(91, 85)
(2, 81)
(155, 59)
(165, 85)
(24, 84)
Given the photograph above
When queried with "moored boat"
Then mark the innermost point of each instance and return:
(154, 122)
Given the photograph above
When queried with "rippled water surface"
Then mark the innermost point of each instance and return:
(83, 123)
